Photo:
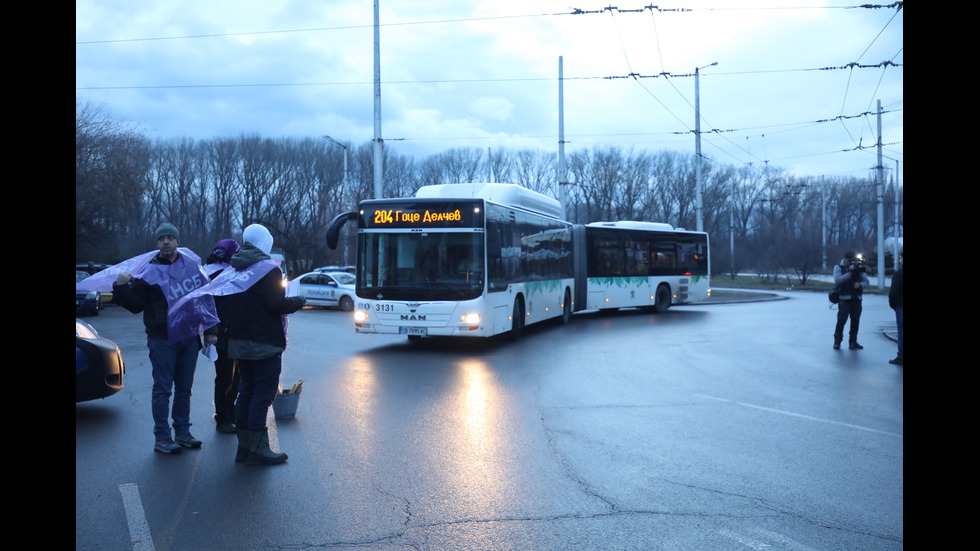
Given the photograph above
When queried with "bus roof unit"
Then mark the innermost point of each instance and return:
(504, 194)
(634, 225)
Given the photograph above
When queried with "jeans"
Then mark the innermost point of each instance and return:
(899, 320)
(173, 373)
(257, 388)
(848, 309)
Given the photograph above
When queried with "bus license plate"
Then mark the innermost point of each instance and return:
(421, 331)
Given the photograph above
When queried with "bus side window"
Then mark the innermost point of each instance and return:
(493, 250)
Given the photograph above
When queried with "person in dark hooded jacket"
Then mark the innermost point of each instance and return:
(256, 340)
(895, 301)
(225, 375)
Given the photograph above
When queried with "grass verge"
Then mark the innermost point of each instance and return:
(781, 283)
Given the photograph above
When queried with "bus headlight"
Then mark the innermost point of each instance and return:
(360, 315)
(470, 319)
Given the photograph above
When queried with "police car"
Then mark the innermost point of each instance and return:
(326, 289)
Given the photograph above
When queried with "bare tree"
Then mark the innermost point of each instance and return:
(221, 162)
(500, 166)
(672, 183)
(400, 178)
(211, 189)
(111, 167)
(262, 167)
(461, 165)
(598, 174)
(180, 192)
(534, 170)
(633, 188)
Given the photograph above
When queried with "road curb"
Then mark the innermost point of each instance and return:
(723, 295)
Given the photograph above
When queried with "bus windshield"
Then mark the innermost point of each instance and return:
(420, 266)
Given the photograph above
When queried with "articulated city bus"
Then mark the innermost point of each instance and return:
(640, 264)
(460, 260)
(483, 259)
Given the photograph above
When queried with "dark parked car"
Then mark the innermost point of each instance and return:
(99, 367)
(87, 303)
(92, 269)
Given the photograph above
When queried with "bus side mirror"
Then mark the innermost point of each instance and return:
(333, 228)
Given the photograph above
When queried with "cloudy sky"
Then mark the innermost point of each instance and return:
(796, 85)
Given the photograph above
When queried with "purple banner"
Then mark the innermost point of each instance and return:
(177, 281)
(228, 282)
(233, 281)
(210, 269)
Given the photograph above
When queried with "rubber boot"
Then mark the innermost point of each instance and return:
(245, 443)
(261, 453)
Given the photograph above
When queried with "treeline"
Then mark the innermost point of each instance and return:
(126, 184)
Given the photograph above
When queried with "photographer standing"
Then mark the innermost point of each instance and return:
(895, 301)
(850, 277)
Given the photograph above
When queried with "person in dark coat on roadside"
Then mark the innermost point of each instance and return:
(225, 375)
(851, 279)
(256, 340)
(895, 301)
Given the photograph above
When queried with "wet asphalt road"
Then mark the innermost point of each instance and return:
(722, 427)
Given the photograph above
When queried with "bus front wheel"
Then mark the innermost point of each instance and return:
(662, 299)
(517, 319)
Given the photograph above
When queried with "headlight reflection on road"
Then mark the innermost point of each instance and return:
(360, 389)
(475, 407)
(478, 457)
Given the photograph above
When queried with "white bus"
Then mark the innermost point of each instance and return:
(640, 264)
(471, 260)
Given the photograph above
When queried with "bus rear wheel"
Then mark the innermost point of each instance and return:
(566, 310)
(662, 299)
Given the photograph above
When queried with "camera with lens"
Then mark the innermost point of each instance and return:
(859, 264)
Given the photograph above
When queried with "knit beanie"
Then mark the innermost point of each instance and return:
(225, 249)
(167, 229)
(257, 235)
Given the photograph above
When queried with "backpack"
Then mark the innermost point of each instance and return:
(834, 296)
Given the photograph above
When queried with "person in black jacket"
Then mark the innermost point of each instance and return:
(256, 340)
(851, 279)
(225, 375)
(895, 301)
(173, 272)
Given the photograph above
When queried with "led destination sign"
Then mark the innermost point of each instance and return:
(440, 214)
(388, 217)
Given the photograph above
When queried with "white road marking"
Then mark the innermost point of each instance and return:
(139, 530)
(790, 413)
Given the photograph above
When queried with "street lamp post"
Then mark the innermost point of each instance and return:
(344, 184)
(698, 205)
(346, 152)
